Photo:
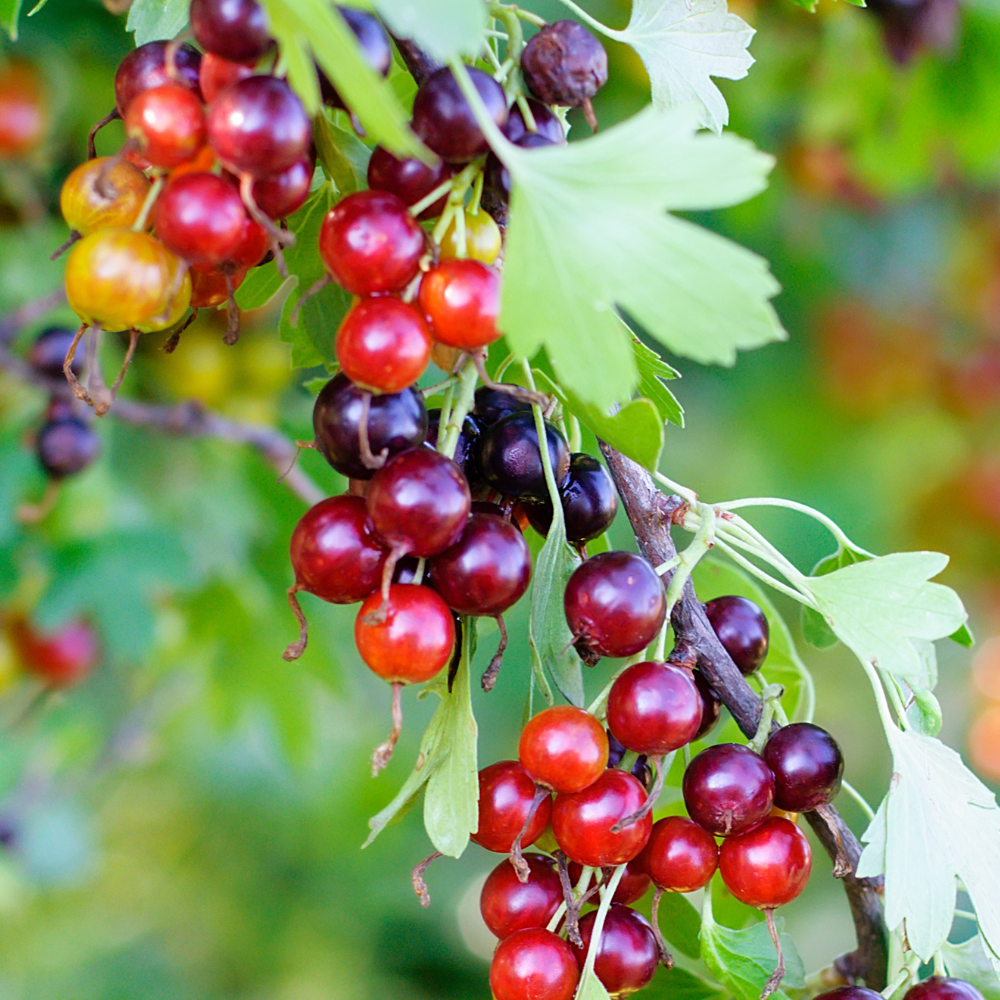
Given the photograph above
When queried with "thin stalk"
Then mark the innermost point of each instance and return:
(607, 894)
(463, 404)
(703, 540)
(443, 188)
(760, 574)
(592, 21)
(142, 219)
(682, 491)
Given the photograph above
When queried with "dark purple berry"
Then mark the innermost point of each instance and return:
(510, 458)
(47, 353)
(146, 68)
(564, 64)
(728, 789)
(467, 437)
(546, 123)
(66, 446)
(492, 404)
(589, 501)
(742, 629)
(943, 988)
(807, 764)
(374, 44)
(233, 29)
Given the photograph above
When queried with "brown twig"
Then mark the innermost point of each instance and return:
(651, 514)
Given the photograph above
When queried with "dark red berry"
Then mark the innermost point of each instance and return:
(233, 29)
(768, 866)
(146, 68)
(807, 766)
(66, 446)
(712, 707)
(506, 792)
(615, 604)
(941, 988)
(279, 196)
(62, 657)
(564, 64)
(509, 905)
(533, 964)
(498, 176)
(654, 708)
(169, 124)
(510, 458)
(546, 123)
(216, 73)
(627, 955)
(680, 855)
(742, 629)
(728, 789)
(563, 748)
(253, 248)
(493, 404)
(632, 886)
(852, 993)
(409, 179)
(201, 218)
(589, 501)
(464, 448)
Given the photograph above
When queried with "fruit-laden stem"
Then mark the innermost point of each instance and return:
(651, 514)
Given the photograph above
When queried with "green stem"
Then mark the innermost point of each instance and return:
(760, 574)
(592, 21)
(463, 404)
(607, 894)
(769, 699)
(142, 219)
(859, 798)
(703, 540)
(682, 491)
(484, 119)
(428, 200)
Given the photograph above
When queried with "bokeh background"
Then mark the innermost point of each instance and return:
(186, 823)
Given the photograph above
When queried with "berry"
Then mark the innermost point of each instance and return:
(728, 789)
(849, 993)
(168, 122)
(464, 447)
(768, 866)
(461, 300)
(510, 458)
(103, 193)
(564, 64)
(23, 109)
(654, 708)
(508, 905)
(533, 964)
(60, 658)
(742, 629)
(632, 886)
(334, 553)
(483, 241)
(253, 247)
(942, 988)
(370, 243)
(444, 120)
(209, 286)
(493, 404)
(563, 748)
(200, 217)
(49, 350)
(589, 501)
(506, 792)
(582, 821)
(66, 446)
(712, 707)
(807, 766)
(614, 604)
(374, 45)
(409, 179)
(279, 196)
(258, 126)
(383, 345)
(413, 641)
(546, 123)
(217, 73)
(146, 68)
(233, 29)
(627, 955)
(680, 856)
(396, 422)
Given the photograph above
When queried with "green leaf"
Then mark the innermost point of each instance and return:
(590, 987)
(743, 960)
(343, 155)
(314, 30)
(964, 637)
(152, 20)
(938, 823)
(442, 28)
(814, 627)
(679, 984)
(968, 961)
(589, 232)
(10, 11)
(809, 5)
(451, 802)
(924, 714)
(683, 44)
(875, 607)
(652, 372)
(680, 923)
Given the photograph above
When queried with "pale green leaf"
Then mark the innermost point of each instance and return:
(589, 232)
(875, 607)
(814, 627)
(153, 20)
(653, 371)
(939, 823)
(683, 44)
(442, 28)
(924, 713)
(679, 984)
(590, 987)
(968, 961)
(10, 11)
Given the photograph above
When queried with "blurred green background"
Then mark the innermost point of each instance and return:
(187, 822)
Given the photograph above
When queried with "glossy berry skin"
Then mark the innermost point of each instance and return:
(413, 642)
(461, 300)
(768, 866)
(507, 905)
(510, 458)
(253, 248)
(146, 68)
(506, 791)
(564, 64)
(24, 112)
(582, 821)
(217, 73)
(284, 193)
(563, 748)
(589, 501)
(443, 118)
(169, 124)
(712, 707)
(742, 629)
(464, 447)
(334, 553)
(119, 279)
(654, 708)
(100, 194)
(371, 244)
(408, 179)
(632, 886)
(383, 344)
(61, 658)
(200, 217)
(209, 288)
(483, 241)
(396, 423)
(47, 353)
(486, 571)
(853, 993)
(258, 126)
(66, 446)
(942, 988)
(546, 123)
(614, 604)
(627, 955)
(680, 856)
(807, 764)
(728, 789)
(492, 405)
(419, 502)
(533, 964)
(233, 29)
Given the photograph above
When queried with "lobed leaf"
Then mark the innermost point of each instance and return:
(814, 627)
(153, 20)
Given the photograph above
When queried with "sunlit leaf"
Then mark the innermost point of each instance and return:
(153, 20)
(442, 28)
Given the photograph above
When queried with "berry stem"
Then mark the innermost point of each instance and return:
(459, 411)
(662, 764)
(769, 699)
(516, 853)
(569, 901)
(419, 885)
(607, 894)
(860, 799)
(142, 219)
(297, 648)
(383, 752)
(704, 539)
(774, 981)
(666, 958)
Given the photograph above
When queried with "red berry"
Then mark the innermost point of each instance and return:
(279, 196)
(506, 792)
(200, 217)
(728, 789)
(411, 180)
(370, 243)
(807, 765)
(942, 988)
(461, 300)
(767, 867)
(742, 629)
(217, 73)
(61, 658)
(533, 964)
(415, 639)
(563, 748)
(582, 821)
(23, 109)
(168, 123)
(252, 249)
(680, 856)
(654, 708)
(383, 345)
(509, 905)
(627, 955)
(146, 68)
(632, 886)
(209, 287)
